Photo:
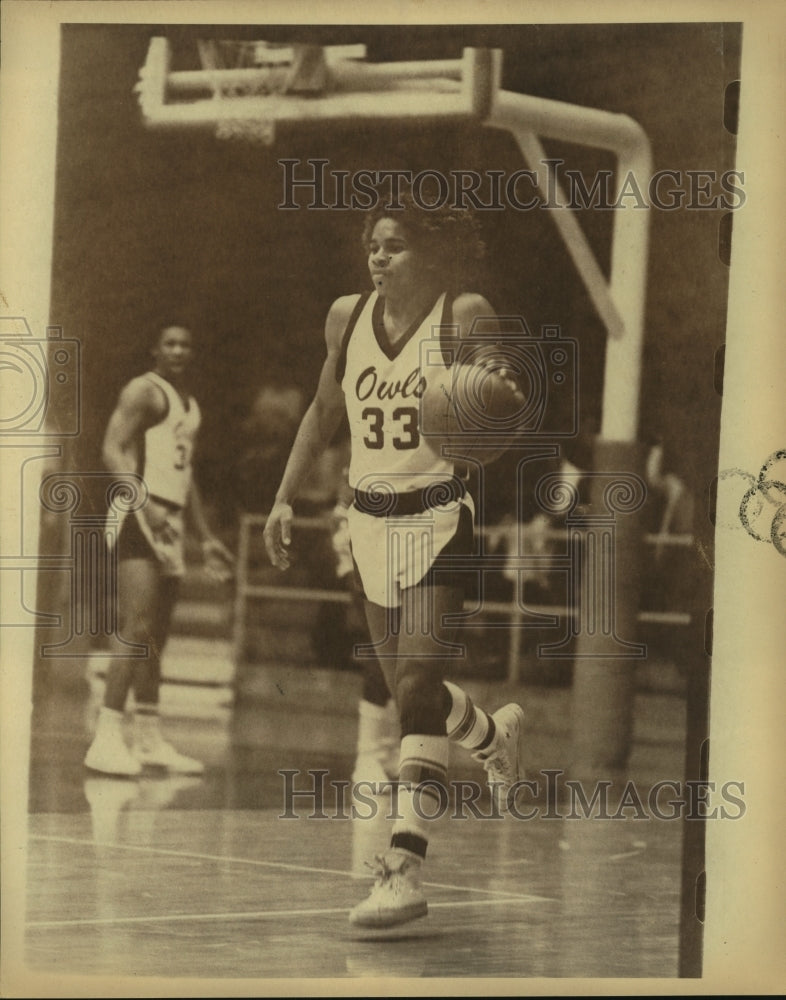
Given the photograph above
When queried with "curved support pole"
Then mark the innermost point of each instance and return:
(603, 679)
(623, 299)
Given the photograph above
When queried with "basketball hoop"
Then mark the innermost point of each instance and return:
(238, 71)
(252, 85)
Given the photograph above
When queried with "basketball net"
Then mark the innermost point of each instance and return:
(276, 70)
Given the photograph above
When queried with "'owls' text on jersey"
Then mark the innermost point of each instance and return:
(169, 446)
(383, 384)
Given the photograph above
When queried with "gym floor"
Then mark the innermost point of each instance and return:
(202, 877)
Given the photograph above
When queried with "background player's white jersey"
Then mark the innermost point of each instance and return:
(169, 446)
(383, 385)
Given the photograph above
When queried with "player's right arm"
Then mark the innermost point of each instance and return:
(317, 428)
(140, 406)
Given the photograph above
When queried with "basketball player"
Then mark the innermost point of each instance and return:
(403, 534)
(152, 432)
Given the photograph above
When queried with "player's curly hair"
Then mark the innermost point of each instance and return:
(450, 236)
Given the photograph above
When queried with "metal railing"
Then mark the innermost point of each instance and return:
(513, 608)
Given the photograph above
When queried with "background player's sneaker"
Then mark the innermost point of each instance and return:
(160, 753)
(397, 896)
(501, 759)
(108, 754)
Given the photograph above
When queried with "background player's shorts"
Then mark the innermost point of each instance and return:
(137, 540)
(393, 553)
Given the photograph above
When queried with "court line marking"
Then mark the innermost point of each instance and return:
(258, 914)
(626, 854)
(229, 859)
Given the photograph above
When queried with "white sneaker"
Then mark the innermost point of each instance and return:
(162, 754)
(108, 754)
(501, 759)
(396, 897)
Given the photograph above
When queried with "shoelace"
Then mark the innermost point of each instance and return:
(492, 763)
(382, 870)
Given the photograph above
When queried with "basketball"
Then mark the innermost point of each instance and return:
(473, 407)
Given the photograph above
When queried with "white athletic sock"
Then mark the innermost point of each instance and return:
(423, 770)
(470, 727)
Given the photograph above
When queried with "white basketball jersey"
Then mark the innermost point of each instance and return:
(383, 385)
(169, 446)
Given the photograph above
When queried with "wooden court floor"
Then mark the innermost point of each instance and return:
(202, 877)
